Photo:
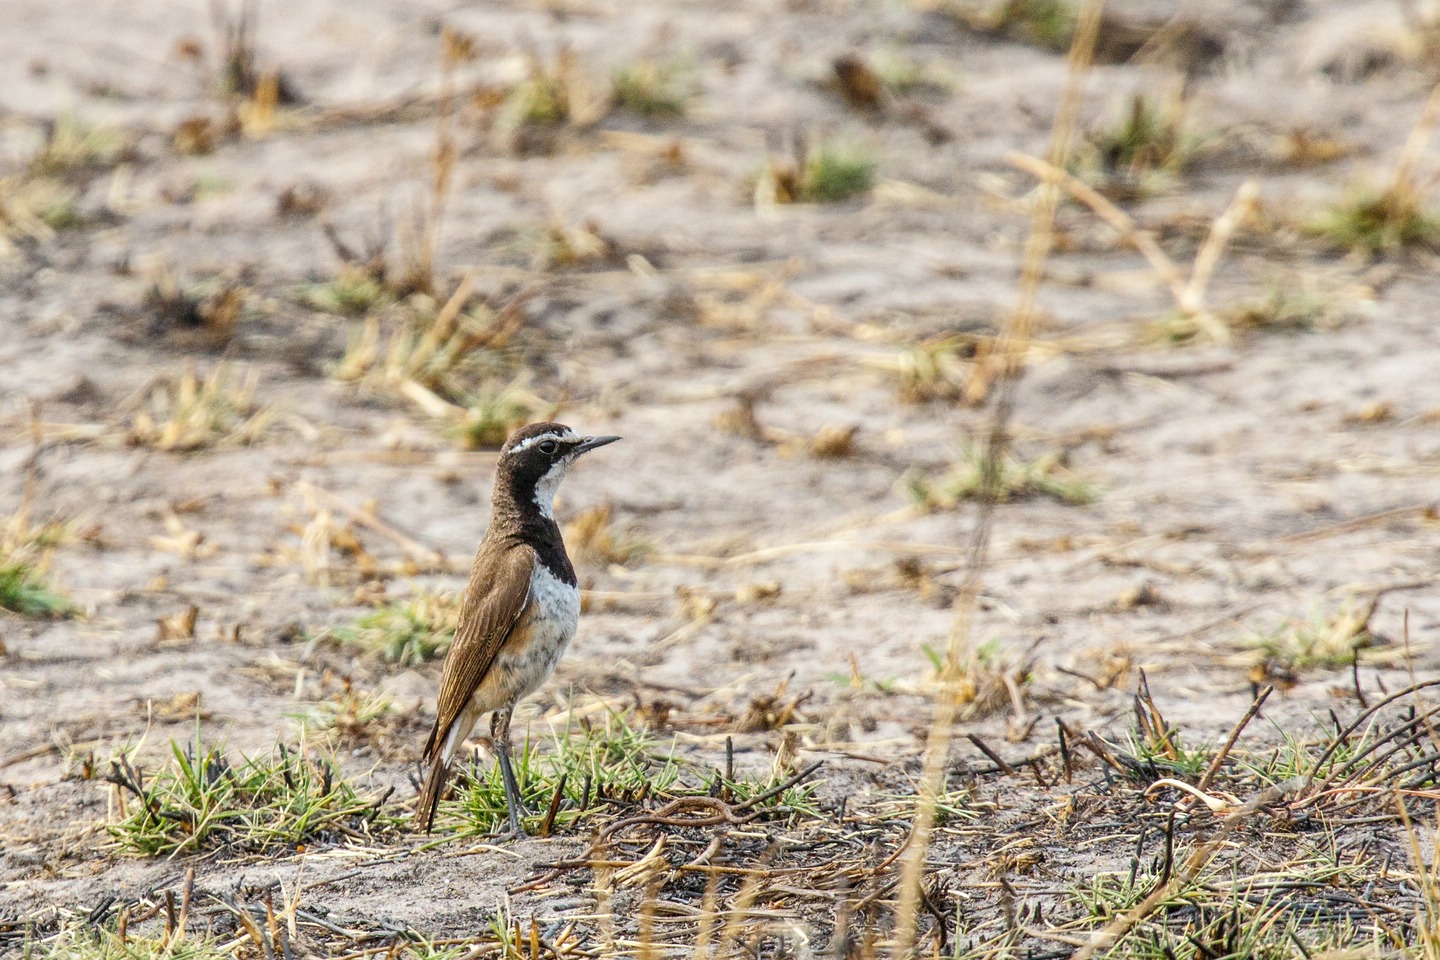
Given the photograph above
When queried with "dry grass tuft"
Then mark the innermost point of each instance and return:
(206, 312)
(593, 537)
(34, 209)
(187, 414)
(446, 359)
(566, 247)
(983, 681)
(492, 413)
(936, 369)
(351, 717)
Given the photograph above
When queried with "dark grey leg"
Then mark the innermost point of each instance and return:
(500, 734)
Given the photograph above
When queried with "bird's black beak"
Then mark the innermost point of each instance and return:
(590, 443)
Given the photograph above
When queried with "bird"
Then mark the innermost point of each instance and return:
(518, 613)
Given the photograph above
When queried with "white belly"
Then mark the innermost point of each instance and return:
(554, 615)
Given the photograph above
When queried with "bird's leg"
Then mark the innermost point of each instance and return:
(500, 734)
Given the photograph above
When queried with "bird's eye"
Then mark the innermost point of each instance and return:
(548, 447)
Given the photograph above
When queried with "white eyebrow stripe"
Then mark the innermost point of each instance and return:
(567, 437)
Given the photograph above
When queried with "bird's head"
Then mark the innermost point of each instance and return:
(534, 461)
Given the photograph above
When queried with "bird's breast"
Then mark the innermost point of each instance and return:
(554, 602)
(538, 640)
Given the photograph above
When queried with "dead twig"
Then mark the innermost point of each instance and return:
(1219, 759)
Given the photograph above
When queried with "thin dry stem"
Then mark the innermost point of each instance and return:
(1017, 332)
(1416, 143)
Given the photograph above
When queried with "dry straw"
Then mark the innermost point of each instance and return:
(1009, 350)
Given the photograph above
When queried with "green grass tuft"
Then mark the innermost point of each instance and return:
(836, 172)
(72, 144)
(612, 761)
(88, 942)
(406, 632)
(23, 591)
(653, 90)
(350, 293)
(1380, 221)
(200, 800)
(1016, 479)
(494, 412)
(24, 557)
(1321, 640)
(1044, 23)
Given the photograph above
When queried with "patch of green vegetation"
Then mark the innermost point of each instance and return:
(594, 767)
(827, 173)
(835, 172)
(1294, 759)
(650, 89)
(1165, 755)
(200, 800)
(1150, 136)
(24, 557)
(351, 293)
(89, 942)
(23, 590)
(493, 414)
(594, 764)
(1380, 221)
(1142, 149)
(1327, 640)
(552, 94)
(406, 632)
(1285, 306)
(1043, 23)
(902, 74)
(1013, 479)
(71, 144)
(36, 207)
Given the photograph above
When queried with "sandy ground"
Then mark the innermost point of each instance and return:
(1242, 483)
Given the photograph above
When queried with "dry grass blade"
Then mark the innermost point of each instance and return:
(1017, 332)
(1188, 292)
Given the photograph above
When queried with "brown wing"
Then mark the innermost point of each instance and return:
(496, 597)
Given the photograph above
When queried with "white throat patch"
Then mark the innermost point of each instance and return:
(546, 487)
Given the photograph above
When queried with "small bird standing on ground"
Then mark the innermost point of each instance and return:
(519, 610)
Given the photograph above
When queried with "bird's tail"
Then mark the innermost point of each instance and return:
(434, 780)
(430, 793)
